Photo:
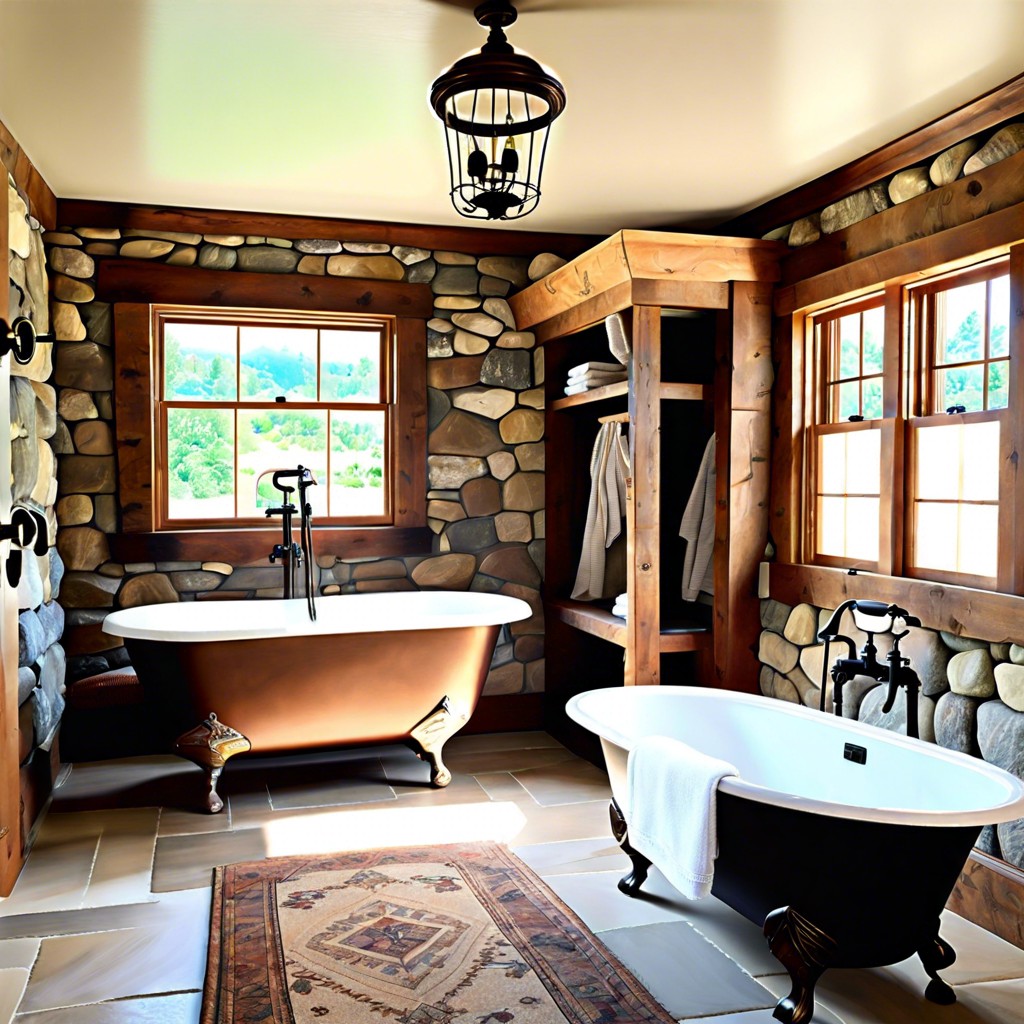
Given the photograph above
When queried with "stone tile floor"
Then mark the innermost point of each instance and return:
(108, 922)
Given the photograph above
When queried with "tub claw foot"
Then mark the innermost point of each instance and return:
(631, 882)
(428, 737)
(209, 745)
(936, 954)
(805, 951)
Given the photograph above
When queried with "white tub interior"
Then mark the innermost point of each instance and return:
(791, 755)
(203, 621)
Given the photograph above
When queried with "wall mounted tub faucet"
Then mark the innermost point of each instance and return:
(292, 555)
(895, 670)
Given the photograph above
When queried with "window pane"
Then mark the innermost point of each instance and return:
(849, 400)
(863, 461)
(357, 464)
(979, 531)
(200, 464)
(278, 361)
(849, 345)
(999, 316)
(872, 399)
(935, 536)
(280, 439)
(960, 318)
(832, 463)
(979, 456)
(964, 385)
(862, 528)
(999, 384)
(938, 457)
(832, 526)
(199, 362)
(874, 337)
(350, 366)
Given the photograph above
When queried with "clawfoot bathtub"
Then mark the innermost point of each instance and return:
(231, 676)
(842, 840)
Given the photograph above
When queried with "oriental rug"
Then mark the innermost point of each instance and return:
(461, 934)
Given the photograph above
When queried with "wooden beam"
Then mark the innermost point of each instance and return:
(42, 202)
(982, 614)
(992, 188)
(1014, 443)
(476, 241)
(924, 143)
(952, 249)
(787, 438)
(141, 281)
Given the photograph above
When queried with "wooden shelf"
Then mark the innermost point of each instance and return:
(669, 392)
(594, 395)
(596, 621)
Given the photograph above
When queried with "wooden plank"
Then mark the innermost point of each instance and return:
(589, 619)
(964, 611)
(743, 482)
(674, 643)
(990, 892)
(643, 510)
(680, 294)
(788, 433)
(924, 143)
(992, 188)
(409, 436)
(142, 281)
(601, 394)
(1015, 421)
(477, 241)
(677, 256)
(42, 202)
(249, 547)
(673, 392)
(134, 396)
(587, 313)
(956, 247)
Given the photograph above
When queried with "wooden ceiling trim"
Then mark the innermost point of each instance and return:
(42, 202)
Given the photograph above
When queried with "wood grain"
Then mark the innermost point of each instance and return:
(141, 281)
(589, 619)
(42, 201)
(409, 424)
(1015, 420)
(477, 241)
(990, 892)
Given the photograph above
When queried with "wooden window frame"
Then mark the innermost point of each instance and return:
(386, 402)
(134, 291)
(827, 350)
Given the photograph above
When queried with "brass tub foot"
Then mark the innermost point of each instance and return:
(209, 745)
(629, 883)
(805, 951)
(429, 735)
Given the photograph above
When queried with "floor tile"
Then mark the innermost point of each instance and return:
(75, 922)
(553, 824)
(12, 985)
(487, 742)
(483, 762)
(124, 860)
(574, 856)
(153, 781)
(502, 786)
(995, 1001)
(601, 906)
(18, 952)
(685, 972)
(187, 862)
(462, 789)
(166, 955)
(569, 782)
(183, 1008)
(362, 782)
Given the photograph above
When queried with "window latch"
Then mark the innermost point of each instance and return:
(855, 419)
(954, 409)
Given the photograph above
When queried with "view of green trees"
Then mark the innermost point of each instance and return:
(201, 442)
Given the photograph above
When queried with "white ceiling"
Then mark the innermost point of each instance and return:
(678, 110)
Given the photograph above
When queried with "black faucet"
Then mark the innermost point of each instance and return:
(289, 553)
(895, 671)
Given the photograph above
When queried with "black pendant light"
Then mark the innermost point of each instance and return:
(497, 106)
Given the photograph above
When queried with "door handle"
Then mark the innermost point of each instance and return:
(19, 338)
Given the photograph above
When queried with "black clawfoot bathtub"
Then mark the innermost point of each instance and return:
(841, 840)
(232, 676)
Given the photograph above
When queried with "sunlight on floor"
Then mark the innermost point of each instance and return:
(339, 830)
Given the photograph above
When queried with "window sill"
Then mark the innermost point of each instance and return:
(964, 611)
(244, 547)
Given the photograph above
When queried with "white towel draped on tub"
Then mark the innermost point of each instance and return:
(609, 467)
(698, 529)
(672, 810)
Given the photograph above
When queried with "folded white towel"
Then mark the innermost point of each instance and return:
(577, 387)
(672, 792)
(577, 371)
(597, 376)
(620, 609)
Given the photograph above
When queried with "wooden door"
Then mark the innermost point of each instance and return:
(10, 800)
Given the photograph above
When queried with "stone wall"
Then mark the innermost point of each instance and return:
(971, 700)
(41, 662)
(966, 157)
(485, 447)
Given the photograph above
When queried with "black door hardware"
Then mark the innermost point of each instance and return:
(20, 339)
(27, 527)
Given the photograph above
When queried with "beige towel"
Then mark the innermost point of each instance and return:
(609, 467)
(698, 529)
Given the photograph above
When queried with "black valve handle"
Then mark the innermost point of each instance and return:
(19, 339)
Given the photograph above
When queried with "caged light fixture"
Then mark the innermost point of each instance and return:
(497, 107)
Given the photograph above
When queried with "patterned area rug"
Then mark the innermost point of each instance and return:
(463, 934)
